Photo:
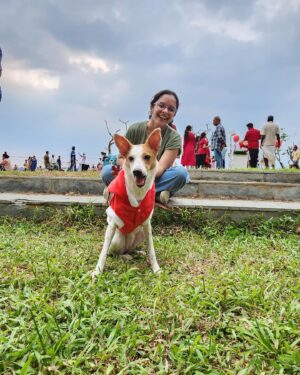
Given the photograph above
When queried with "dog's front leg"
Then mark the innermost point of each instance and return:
(148, 234)
(109, 234)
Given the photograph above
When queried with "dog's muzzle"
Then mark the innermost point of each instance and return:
(140, 178)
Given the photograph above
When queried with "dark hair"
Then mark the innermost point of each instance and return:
(164, 92)
(73, 147)
(250, 125)
(5, 155)
(187, 130)
(270, 118)
(202, 135)
(217, 119)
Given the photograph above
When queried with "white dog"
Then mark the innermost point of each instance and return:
(132, 200)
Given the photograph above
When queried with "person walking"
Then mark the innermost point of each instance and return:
(188, 158)
(252, 136)
(269, 134)
(218, 142)
(72, 166)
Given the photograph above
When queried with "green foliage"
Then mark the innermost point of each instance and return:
(227, 301)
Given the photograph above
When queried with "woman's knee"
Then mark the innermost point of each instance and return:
(181, 174)
(106, 174)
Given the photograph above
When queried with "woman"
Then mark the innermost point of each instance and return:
(169, 179)
(188, 157)
(202, 151)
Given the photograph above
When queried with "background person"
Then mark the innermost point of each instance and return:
(169, 178)
(73, 160)
(5, 164)
(269, 134)
(295, 157)
(202, 151)
(188, 158)
(218, 142)
(58, 162)
(33, 163)
(252, 136)
(53, 162)
(47, 161)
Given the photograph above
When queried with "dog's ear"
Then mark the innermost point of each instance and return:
(154, 140)
(123, 144)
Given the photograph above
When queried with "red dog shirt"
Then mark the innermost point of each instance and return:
(120, 207)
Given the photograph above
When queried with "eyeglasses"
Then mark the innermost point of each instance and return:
(170, 108)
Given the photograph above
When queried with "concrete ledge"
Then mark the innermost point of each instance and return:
(26, 205)
(51, 185)
(218, 188)
(238, 176)
(241, 190)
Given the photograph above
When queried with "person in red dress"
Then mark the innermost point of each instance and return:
(202, 151)
(188, 158)
(252, 137)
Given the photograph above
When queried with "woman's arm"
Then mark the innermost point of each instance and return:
(166, 161)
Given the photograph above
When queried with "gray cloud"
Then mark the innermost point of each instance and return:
(70, 65)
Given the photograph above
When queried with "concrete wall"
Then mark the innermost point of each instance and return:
(263, 176)
(220, 187)
(51, 185)
(241, 190)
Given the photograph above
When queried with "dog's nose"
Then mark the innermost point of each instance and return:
(138, 173)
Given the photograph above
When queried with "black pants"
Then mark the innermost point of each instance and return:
(253, 152)
(200, 160)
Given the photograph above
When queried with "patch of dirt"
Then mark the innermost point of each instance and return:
(202, 267)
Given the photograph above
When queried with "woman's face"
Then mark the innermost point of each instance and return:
(164, 110)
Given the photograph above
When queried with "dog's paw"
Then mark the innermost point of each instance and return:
(126, 257)
(157, 271)
(141, 253)
(95, 273)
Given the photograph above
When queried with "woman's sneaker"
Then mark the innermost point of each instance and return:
(164, 196)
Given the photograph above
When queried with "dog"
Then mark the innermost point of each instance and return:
(132, 200)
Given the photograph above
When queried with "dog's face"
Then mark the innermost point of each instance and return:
(139, 159)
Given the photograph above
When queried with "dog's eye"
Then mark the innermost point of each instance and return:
(131, 158)
(147, 157)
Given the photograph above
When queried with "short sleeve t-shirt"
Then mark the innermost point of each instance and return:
(269, 131)
(171, 140)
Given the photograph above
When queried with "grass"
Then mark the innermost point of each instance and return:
(227, 301)
(95, 174)
(46, 173)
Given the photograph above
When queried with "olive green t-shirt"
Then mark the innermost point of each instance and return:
(171, 140)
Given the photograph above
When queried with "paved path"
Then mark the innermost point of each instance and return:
(213, 204)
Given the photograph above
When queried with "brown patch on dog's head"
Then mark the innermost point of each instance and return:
(154, 140)
(151, 148)
(123, 144)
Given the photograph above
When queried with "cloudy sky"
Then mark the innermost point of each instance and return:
(71, 65)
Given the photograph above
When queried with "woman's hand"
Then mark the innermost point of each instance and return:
(166, 161)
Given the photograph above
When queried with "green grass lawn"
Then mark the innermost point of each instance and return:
(227, 301)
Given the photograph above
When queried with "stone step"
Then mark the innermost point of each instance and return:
(241, 190)
(291, 177)
(51, 185)
(202, 188)
(17, 204)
